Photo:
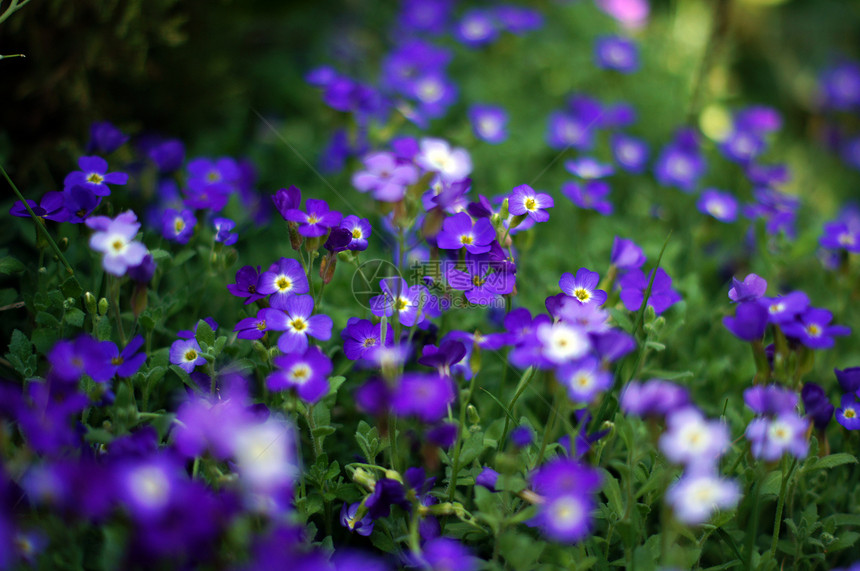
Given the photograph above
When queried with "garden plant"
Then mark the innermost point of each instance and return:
(549, 285)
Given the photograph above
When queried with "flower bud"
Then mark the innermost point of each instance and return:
(103, 306)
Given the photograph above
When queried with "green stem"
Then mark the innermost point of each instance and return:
(312, 426)
(458, 445)
(780, 504)
(35, 218)
(550, 427)
(113, 297)
(521, 386)
(392, 440)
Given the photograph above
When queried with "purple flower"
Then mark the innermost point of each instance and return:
(772, 437)
(569, 130)
(697, 495)
(524, 201)
(770, 400)
(584, 379)
(284, 279)
(588, 168)
(568, 489)
(266, 319)
(482, 279)
(448, 554)
(751, 289)
(617, 53)
(443, 435)
(300, 324)
(431, 16)
(115, 240)
(742, 146)
(359, 230)
(590, 195)
(487, 478)
(522, 436)
(720, 205)
(318, 219)
(692, 440)
(841, 234)
(459, 231)
(434, 93)
(223, 234)
(631, 14)
(489, 123)
(436, 155)
(785, 309)
(634, 284)
(840, 86)
(338, 240)
(125, 363)
(813, 329)
(404, 301)
(105, 138)
(386, 493)
(425, 396)
(561, 342)
(681, 163)
(51, 207)
(210, 182)
(178, 226)
(78, 202)
(305, 372)
(70, 360)
(849, 379)
(94, 176)
(168, 155)
(350, 519)
(186, 354)
(749, 322)
(476, 28)
(286, 199)
(848, 415)
(247, 282)
(630, 153)
(817, 405)
(362, 336)
(654, 397)
(444, 357)
(582, 287)
(626, 255)
(385, 176)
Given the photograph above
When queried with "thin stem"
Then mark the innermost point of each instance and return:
(550, 427)
(780, 504)
(455, 469)
(312, 426)
(113, 298)
(35, 218)
(392, 440)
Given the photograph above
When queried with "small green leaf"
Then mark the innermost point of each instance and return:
(10, 265)
(71, 287)
(205, 335)
(75, 317)
(44, 339)
(323, 431)
(158, 254)
(833, 460)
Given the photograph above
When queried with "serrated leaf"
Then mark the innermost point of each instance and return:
(833, 460)
(205, 334)
(20, 346)
(44, 339)
(472, 448)
(75, 317)
(71, 287)
(10, 265)
(323, 431)
(772, 483)
(46, 319)
(846, 539)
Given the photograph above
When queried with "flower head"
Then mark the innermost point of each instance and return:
(306, 373)
(524, 201)
(94, 176)
(115, 240)
(186, 354)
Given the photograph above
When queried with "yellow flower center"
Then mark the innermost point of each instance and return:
(849, 413)
(582, 294)
(95, 178)
(178, 225)
(466, 240)
(369, 342)
(283, 283)
(299, 324)
(813, 330)
(530, 204)
(191, 355)
(356, 233)
(261, 325)
(402, 303)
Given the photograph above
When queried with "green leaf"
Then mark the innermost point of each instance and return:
(612, 490)
(45, 319)
(99, 435)
(44, 339)
(184, 377)
(20, 346)
(833, 460)
(846, 539)
(204, 334)
(183, 257)
(334, 384)
(71, 287)
(10, 265)
(521, 551)
(75, 317)
(158, 254)
(771, 483)
(323, 431)
(473, 446)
